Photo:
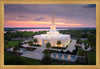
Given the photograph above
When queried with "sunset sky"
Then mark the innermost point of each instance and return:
(40, 15)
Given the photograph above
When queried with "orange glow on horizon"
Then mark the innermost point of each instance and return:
(38, 24)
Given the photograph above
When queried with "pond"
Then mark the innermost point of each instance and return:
(65, 57)
(21, 50)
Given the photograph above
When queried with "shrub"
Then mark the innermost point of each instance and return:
(30, 49)
(68, 52)
(61, 51)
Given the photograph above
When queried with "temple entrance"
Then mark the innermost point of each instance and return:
(44, 43)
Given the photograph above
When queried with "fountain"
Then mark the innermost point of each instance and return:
(62, 56)
(51, 55)
(68, 57)
(57, 56)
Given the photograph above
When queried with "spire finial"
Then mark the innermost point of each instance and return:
(53, 17)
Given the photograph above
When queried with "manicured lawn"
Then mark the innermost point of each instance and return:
(92, 58)
(11, 43)
(19, 60)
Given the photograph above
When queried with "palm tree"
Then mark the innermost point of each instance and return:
(59, 43)
(48, 45)
(35, 40)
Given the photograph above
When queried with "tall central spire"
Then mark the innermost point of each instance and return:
(53, 27)
(53, 21)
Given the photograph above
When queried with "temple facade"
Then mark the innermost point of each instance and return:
(53, 36)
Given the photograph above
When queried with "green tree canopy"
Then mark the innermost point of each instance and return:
(30, 43)
(35, 40)
(46, 60)
(48, 45)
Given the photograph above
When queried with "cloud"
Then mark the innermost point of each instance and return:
(64, 13)
(21, 16)
(38, 19)
(90, 6)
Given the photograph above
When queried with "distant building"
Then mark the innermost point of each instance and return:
(53, 37)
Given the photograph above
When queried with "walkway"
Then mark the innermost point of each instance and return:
(37, 53)
(71, 46)
(83, 47)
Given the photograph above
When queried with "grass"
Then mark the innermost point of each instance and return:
(92, 58)
(19, 60)
(81, 52)
(11, 43)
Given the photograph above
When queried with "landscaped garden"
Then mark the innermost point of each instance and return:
(46, 51)
(14, 58)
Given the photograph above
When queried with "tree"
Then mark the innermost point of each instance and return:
(92, 40)
(19, 44)
(8, 35)
(35, 40)
(48, 45)
(30, 43)
(78, 41)
(59, 43)
(6, 43)
(86, 45)
(46, 60)
(16, 48)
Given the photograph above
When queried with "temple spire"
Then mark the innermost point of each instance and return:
(53, 27)
(53, 21)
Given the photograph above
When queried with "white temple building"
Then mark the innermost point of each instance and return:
(53, 37)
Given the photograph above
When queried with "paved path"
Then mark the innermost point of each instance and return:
(37, 53)
(83, 47)
(71, 46)
(33, 55)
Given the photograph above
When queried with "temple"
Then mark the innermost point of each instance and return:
(53, 36)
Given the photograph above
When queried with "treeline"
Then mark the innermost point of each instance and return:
(78, 33)
(9, 35)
